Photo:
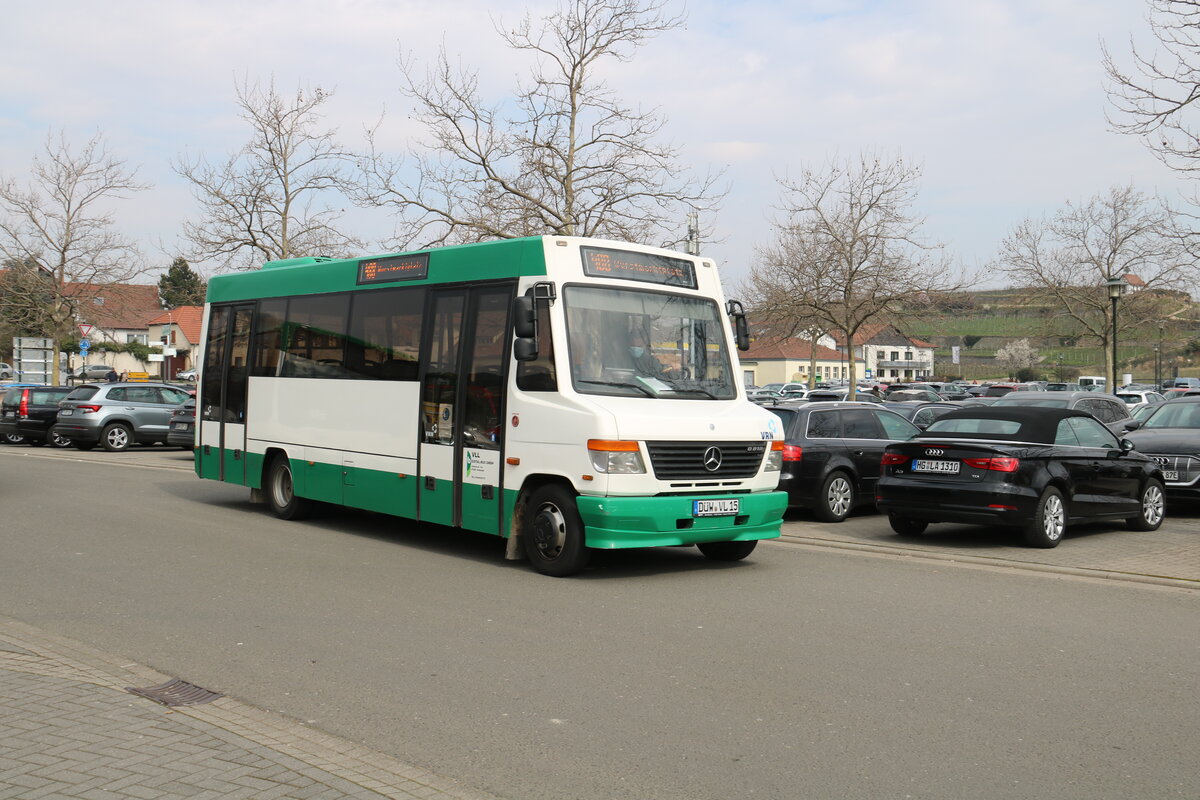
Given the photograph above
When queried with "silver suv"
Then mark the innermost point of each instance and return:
(116, 415)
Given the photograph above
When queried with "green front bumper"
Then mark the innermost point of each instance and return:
(618, 522)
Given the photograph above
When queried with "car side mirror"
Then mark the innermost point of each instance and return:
(1126, 446)
(1133, 425)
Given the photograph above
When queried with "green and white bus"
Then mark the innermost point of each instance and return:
(497, 387)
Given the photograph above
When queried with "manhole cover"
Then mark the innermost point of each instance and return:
(176, 693)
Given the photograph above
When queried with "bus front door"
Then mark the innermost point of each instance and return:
(222, 416)
(462, 407)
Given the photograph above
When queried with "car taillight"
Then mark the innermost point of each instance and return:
(89, 409)
(792, 452)
(23, 409)
(996, 464)
(892, 458)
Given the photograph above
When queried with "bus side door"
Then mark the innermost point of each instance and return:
(462, 393)
(222, 414)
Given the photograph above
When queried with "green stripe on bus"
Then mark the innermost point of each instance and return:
(509, 258)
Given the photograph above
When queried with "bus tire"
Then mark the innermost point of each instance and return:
(280, 493)
(727, 551)
(553, 537)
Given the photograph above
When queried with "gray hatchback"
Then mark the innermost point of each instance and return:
(116, 415)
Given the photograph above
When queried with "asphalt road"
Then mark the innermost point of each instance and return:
(802, 672)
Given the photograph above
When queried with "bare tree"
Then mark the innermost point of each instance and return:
(58, 238)
(270, 200)
(847, 252)
(1155, 98)
(572, 159)
(1068, 259)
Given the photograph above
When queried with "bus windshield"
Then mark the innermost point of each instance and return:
(635, 343)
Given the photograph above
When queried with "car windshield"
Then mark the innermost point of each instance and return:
(647, 344)
(1174, 415)
(1033, 400)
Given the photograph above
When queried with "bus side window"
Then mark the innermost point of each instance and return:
(385, 334)
(267, 348)
(539, 375)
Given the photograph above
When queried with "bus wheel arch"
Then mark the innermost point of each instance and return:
(549, 527)
(278, 487)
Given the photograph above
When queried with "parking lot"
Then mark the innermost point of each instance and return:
(1169, 556)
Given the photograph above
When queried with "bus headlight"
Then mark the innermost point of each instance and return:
(615, 457)
(775, 457)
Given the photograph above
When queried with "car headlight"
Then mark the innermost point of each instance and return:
(615, 457)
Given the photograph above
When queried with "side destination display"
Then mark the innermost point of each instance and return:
(599, 262)
(393, 268)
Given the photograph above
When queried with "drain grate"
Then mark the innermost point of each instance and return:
(176, 693)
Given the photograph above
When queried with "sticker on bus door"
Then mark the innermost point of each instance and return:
(480, 466)
(445, 423)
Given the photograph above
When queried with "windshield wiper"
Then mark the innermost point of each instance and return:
(645, 390)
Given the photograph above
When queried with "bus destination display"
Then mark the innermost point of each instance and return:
(393, 268)
(601, 262)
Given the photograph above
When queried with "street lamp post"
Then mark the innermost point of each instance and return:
(1115, 285)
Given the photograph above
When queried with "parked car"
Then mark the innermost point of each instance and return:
(913, 395)
(6, 372)
(182, 431)
(1104, 407)
(1180, 391)
(28, 413)
(1136, 398)
(831, 454)
(1063, 387)
(186, 375)
(921, 414)
(1034, 468)
(1181, 383)
(93, 372)
(1171, 436)
(117, 415)
(839, 395)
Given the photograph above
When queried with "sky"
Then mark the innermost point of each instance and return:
(1001, 102)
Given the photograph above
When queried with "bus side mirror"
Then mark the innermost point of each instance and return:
(525, 348)
(524, 319)
(741, 330)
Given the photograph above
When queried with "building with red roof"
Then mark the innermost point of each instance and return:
(177, 329)
(890, 354)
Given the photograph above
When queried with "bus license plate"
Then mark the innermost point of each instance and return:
(946, 467)
(1170, 476)
(715, 508)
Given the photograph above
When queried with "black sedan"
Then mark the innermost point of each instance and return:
(832, 451)
(1034, 468)
(1171, 436)
(181, 430)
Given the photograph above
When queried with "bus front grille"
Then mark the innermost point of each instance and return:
(700, 460)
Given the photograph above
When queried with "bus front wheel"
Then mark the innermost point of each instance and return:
(280, 491)
(553, 535)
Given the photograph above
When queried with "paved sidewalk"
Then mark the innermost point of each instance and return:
(69, 729)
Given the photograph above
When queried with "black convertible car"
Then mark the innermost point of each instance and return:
(1037, 469)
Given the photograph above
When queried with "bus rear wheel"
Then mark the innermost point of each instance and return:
(280, 491)
(553, 536)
